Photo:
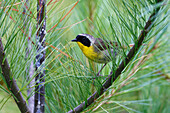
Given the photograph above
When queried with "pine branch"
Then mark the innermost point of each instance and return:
(122, 66)
(40, 57)
(11, 82)
(30, 68)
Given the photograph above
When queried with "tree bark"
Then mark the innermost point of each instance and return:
(40, 57)
(11, 82)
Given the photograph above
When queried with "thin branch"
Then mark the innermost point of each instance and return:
(30, 73)
(11, 82)
(30, 68)
(40, 58)
(121, 67)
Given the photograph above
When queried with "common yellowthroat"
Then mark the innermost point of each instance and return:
(96, 49)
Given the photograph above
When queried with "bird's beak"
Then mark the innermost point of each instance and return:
(74, 40)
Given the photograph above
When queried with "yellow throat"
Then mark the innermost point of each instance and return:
(90, 53)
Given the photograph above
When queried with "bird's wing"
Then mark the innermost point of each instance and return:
(102, 44)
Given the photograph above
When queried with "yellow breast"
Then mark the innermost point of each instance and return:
(90, 53)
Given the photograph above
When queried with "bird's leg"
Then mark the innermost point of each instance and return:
(98, 74)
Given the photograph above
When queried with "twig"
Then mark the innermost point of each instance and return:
(11, 82)
(39, 104)
(30, 68)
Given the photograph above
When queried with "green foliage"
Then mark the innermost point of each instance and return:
(143, 85)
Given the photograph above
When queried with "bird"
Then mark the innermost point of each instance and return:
(97, 49)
